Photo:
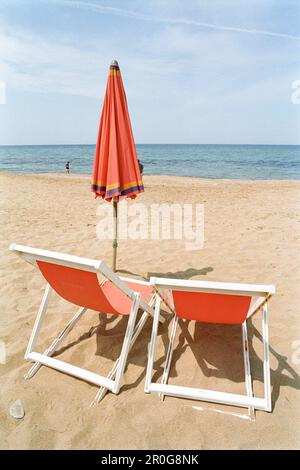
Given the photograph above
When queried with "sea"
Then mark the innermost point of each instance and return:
(252, 162)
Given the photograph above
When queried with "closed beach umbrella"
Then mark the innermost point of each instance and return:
(116, 170)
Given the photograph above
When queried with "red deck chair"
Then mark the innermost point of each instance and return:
(75, 279)
(212, 302)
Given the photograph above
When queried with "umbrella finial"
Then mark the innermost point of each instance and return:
(114, 67)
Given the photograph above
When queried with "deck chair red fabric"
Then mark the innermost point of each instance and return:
(212, 302)
(76, 280)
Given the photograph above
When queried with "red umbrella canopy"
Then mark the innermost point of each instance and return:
(116, 169)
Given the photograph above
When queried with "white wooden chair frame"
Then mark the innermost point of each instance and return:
(113, 381)
(263, 292)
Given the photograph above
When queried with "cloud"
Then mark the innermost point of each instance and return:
(104, 9)
(162, 56)
(167, 64)
(34, 64)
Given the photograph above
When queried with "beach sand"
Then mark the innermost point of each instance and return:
(251, 235)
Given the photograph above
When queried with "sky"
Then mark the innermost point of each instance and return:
(194, 71)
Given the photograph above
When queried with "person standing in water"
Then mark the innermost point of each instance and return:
(68, 168)
(141, 166)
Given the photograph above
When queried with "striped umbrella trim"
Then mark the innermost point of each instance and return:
(116, 185)
(117, 191)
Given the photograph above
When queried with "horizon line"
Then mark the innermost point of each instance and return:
(165, 143)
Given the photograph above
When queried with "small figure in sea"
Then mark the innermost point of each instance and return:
(68, 168)
(141, 166)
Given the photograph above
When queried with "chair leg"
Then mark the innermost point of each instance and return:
(169, 355)
(39, 320)
(248, 378)
(55, 344)
(267, 379)
(102, 391)
(127, 342)
(151, 351)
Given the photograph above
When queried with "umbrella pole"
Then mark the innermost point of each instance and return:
(115, 242)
